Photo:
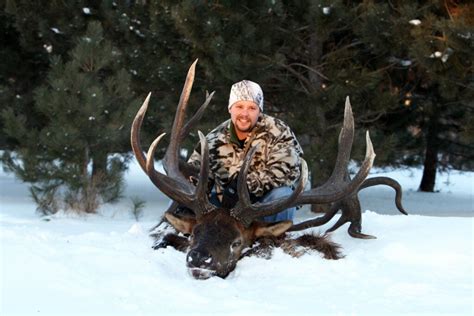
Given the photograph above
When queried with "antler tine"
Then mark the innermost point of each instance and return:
(335, 187)
(242, 189)
(314, 197)
(135, 133)
(346, 138)
(201, 189)
(171, 159)
(334, 190)
(181, 191)
(391, 183)
(196, 117)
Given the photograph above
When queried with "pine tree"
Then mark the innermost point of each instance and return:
(20, 70)
(428, 47)
(32, 32)
(86, 105)
(411, 85)
(156, 56)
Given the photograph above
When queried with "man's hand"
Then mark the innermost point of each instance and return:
(230, 197)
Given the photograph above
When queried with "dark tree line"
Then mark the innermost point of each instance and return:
(74, 72)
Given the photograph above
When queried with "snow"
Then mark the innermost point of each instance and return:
(436, 54)
(327, 10)
(56, 30)
(67, 264)
(48, 48)
(405, 62)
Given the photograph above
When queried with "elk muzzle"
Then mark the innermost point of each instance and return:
(200, 264)
(216, 243)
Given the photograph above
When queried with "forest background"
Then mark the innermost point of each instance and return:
(74, 73)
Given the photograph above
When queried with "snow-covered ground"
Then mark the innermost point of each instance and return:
(421, 264)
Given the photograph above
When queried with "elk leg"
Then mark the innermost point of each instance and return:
(179, 243)
(164, 234)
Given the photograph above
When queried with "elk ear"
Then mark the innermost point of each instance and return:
(272, 229)
(182, 224)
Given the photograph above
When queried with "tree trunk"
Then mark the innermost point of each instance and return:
(431, 158)
(315, 51)
(85, 163)
(99, 164)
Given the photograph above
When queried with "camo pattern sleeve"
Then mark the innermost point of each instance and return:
(277, 162)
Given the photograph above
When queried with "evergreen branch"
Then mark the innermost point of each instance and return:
(305, 83)
(371, 118)
(310, 69)
(336, 51)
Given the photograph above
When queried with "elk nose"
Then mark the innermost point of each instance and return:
(199, 258)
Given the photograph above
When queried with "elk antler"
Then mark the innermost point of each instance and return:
(334, 189)
(174, 184)
(388, 182)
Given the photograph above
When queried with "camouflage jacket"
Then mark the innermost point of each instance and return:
(276, 162)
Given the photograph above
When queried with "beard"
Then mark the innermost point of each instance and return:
(243, 125)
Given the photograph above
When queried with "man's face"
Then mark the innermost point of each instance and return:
(244, 115)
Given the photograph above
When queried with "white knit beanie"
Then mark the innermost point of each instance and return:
(246, 90)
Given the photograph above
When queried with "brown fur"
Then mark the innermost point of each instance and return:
(263, 246)
(297, 247)
(320, 243)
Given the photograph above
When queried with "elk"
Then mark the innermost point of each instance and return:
(217, 237)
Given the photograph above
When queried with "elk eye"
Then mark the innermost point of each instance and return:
(236, 244)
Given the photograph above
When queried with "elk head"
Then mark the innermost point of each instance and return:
(217, 235)
(217, 240)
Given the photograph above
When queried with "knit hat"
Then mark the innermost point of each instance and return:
(246, 90)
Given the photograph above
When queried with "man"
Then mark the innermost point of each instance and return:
(275, 165)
